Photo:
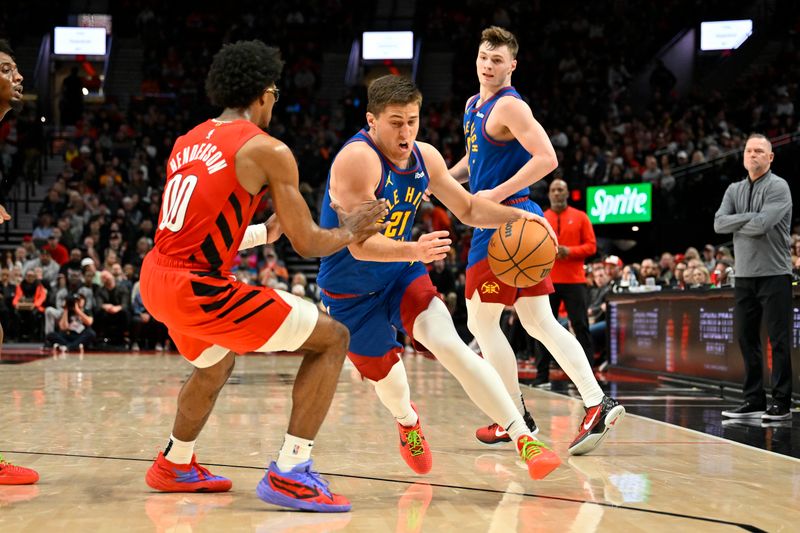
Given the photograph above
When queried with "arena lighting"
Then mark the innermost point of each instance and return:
(635, 228)
(377, 45)
(724, 34)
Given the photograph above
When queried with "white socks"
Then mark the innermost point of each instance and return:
(538, 320)
(178, 451)
(484, 323)
(393, 392)
(434, 328)
(293, 452)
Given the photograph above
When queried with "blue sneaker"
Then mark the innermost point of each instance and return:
(301, 488)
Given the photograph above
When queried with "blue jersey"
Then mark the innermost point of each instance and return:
(492, 162)
(341, 273)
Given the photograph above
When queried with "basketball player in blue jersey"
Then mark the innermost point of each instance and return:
(381, 285)
(507, 151)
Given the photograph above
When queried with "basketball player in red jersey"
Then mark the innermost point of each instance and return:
(507, 151)
(11, 98)
(216, 176)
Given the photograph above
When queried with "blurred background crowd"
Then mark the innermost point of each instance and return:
(613, 112)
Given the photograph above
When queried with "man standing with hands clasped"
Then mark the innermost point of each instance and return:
(758, 211)
(576, 242)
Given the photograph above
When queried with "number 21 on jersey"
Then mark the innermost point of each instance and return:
(176, 200)
(397, 223)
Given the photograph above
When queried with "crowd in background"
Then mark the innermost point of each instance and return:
(74, 282)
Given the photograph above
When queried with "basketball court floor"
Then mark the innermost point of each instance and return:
(92, 424)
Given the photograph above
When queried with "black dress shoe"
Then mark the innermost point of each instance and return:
(746, 410)
(541, 382)
(777, 412)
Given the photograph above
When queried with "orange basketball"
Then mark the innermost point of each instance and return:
(521, 253)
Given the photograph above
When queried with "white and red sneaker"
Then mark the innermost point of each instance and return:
(495, 434)
(599, 419)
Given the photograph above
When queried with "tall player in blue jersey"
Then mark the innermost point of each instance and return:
(507, 151)
(381, 285)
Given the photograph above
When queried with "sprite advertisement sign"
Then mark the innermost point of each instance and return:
(612, 204)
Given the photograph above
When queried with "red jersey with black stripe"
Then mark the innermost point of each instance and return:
(204, 209)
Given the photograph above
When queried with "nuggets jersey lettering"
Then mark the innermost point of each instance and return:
(341, 273)
(204, 209)
(491, 162)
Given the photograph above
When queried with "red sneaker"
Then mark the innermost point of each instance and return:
(414, 448)
(166, 476)
(16, 475)
(597, 422)
(540, 459)
(495, 434)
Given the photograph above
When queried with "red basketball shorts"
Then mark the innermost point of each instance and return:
(209, 314)
(480, 278)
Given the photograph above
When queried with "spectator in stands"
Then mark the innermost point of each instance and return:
(57, 251)
(701, 279)
(434, 217)
(49, 267)
(651, 173)
(112, 311)
(44, 228)
(73, 263)
(74, 326)
(680, 270)
(73, 284)
(442, 278)
(31, 252)
(667, 270)
(7, 292)
(649, 270)
(273, 266)
(629, 277)
(146, 332)
(724, 274)
(709, 261)
(597, 310)
(613, 267)
(29, 301)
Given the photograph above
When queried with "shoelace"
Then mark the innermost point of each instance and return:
(206, 473)
(531, 448)
(10, 467)
(415, 443)
(317, 480)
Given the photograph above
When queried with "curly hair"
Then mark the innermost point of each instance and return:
(5, 48)
(241, 71)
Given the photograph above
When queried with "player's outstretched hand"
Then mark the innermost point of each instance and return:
(541, 220)
(364, 220)
(4, 216)
(432, 246)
